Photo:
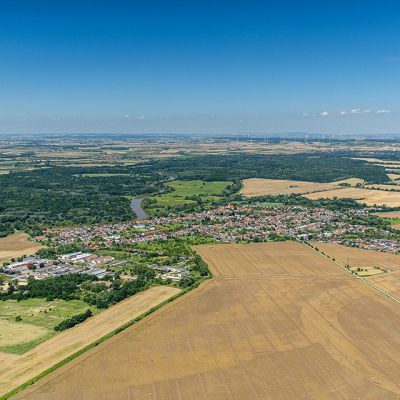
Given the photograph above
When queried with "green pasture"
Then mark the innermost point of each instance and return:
(37, 318)
(208, 191)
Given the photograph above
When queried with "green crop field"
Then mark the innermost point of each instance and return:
(208, 191)
(38, 317)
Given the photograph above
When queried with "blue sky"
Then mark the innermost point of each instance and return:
(200, 66)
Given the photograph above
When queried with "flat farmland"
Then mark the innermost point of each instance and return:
(388, 214)
(367, 196)
(359, 257)
(388, 282)
(393, 217)
(17, 245)
(394, 177)
(183, 190)
(17, 369)
(262, 187)
(39, 317)
(384, 187)
(290, 259)
(287, 333)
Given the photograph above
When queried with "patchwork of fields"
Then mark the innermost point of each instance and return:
(278, 321)
(367, 196)
(360, 257)
(17, 369)
(389, 214)
(392, 216)
(388, 195)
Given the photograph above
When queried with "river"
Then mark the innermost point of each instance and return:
(137, 209)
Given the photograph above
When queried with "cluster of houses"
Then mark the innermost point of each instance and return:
(225, 224)
(72, 263)
(389, 246)
(229, 224)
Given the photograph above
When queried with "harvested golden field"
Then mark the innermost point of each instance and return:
(367, 196)
(350, 181)
(388, 282)
(394, 177)
(389, 165)
(388, 214)
(17, 369)
(383, 187)
(275, 335)
(17, 245)
(261, 187)
(370, 160)
(359, 257)
(290, 259)
(376, 161)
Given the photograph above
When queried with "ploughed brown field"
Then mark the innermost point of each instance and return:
(277, 321)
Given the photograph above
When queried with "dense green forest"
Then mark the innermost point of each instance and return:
(54, 196)
(308, 167)
(65, 196)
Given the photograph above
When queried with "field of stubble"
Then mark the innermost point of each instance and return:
(277, 321)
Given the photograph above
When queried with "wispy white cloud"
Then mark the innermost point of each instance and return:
(353, 111)
(136, 117)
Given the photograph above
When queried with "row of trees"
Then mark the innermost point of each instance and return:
(74, 320)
